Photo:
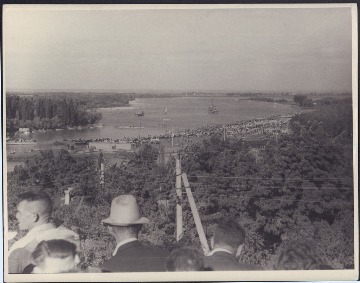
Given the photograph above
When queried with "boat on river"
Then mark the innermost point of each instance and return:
(140, 113)
(130, 127)
(212, 109)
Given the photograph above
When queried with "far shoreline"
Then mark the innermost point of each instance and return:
(181, 137)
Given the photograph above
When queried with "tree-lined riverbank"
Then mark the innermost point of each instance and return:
(298, 185)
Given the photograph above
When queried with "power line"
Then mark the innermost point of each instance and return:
(246, 188)
(270, 179)
(266, 187)
(256, 178)
(295, 200)
(196, 185)
(185, 151)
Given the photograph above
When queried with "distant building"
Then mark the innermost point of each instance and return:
(24, 130)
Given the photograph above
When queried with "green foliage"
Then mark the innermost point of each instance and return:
(335, 119)
(104, 100)
(303, 181)
(302, 188)
(303, 100)
(47, 113)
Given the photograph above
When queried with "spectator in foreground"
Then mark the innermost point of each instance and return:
(130, 255)
(54, 256)
(300, 255)
(185, 259)
(227, 243)
(33, 215)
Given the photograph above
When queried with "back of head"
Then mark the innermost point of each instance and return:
(39, 202)
(131, 231)
(185, 259)
(299, 255)
(229, 233)
(55, 256)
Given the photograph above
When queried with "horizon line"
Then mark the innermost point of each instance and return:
(175, 91)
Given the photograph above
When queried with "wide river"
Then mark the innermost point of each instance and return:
(161, 115)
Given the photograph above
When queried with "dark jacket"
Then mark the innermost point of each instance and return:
(225, 261)
(135, 257)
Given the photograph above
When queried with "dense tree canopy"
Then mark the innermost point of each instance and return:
(46, 113)
(299, 185)
(303, 100)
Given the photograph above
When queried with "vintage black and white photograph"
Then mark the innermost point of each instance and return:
(180, 142)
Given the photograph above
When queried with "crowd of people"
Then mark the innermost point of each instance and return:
(49, 249)
(267, 127)
(264, 128)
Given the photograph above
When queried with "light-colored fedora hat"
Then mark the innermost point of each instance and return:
(124, 212)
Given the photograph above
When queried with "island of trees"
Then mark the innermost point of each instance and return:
(58, 110)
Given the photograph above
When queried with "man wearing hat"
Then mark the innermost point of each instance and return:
(130, 255)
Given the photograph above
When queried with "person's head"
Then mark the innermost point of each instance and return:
(229, 235)
(33, 209)
(299, 255)
(125, 220)
(185, 259)
(124, 232)
(55, 256)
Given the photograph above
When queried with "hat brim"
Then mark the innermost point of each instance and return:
(109, 221)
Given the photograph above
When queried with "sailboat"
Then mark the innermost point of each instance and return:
(165, 119)
(140, 113)
(212, 109)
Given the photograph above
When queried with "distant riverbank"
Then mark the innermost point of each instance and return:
(250, 130)
(162, 116)
(258, 129)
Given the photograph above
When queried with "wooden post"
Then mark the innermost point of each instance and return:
(199, 228)
(172, 137)
(102, 178)
(179, 218)
(67, 196)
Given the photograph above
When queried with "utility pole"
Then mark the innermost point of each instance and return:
(102, 177)
(179, 218)
(199, 228)
(102, 168)
(172, 136)
(67, 196)
(161, 158)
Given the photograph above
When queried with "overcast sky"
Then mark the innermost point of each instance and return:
(179, 50)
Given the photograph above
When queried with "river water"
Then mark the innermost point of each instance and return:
(161, 115)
